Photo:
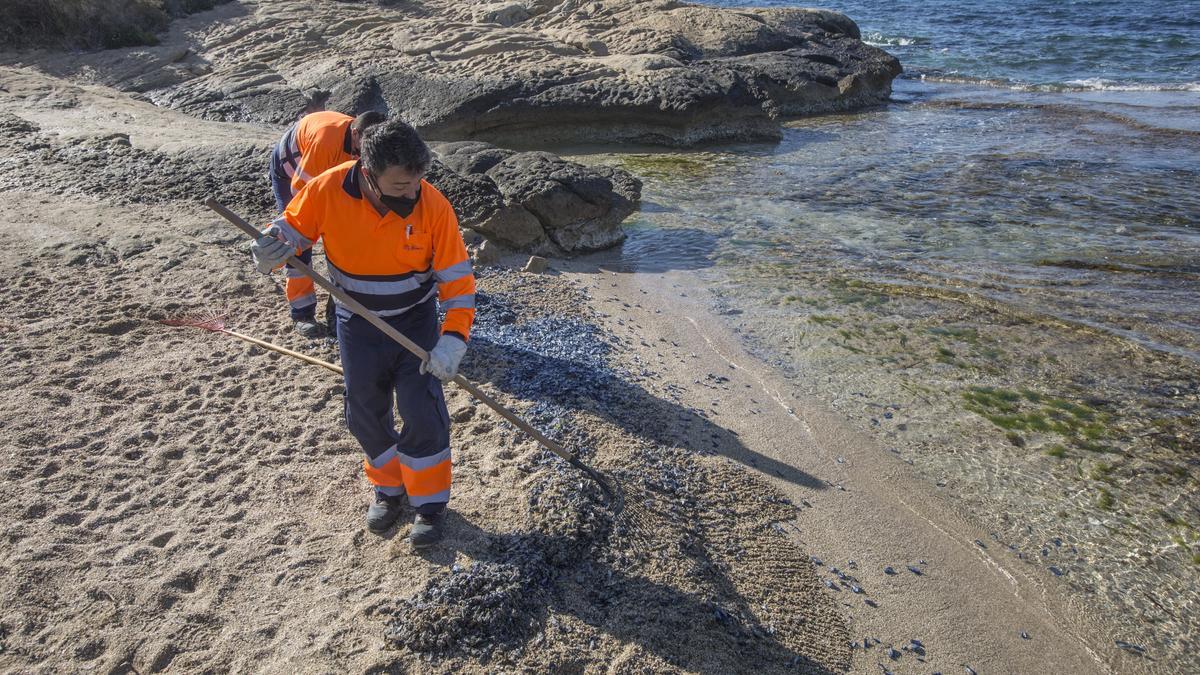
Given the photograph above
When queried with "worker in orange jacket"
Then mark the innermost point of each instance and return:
(315, 143)
(392, 243)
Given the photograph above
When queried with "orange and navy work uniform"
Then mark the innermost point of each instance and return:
(314, 144)
(400, 268)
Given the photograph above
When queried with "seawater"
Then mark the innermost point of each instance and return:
(1135, 45)
(1046, 153)
(1042, 158)
(1078, 211)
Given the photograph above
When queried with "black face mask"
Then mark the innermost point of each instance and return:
(402, 206)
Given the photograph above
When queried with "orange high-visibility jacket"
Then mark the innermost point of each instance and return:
(317, 142)
(388, 263)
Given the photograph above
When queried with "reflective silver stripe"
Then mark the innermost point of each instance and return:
(293, 273)
(454, 272)
(386, 312)
(422, 463)
(385, 457)
(397, 312)
(379, 287)
(392, 491)
(290, 235)
(464, 300)
(288, 151)
(435, 498)
(304, 300)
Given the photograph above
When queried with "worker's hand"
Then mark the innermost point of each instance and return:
(445, 357)
(269, 251)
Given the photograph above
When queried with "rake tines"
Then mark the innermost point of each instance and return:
(214, 321)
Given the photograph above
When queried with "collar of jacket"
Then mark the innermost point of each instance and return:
(351, 183)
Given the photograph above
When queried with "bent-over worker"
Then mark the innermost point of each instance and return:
(316, 143)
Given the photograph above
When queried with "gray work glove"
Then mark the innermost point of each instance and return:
(445, 357)
(269, 251)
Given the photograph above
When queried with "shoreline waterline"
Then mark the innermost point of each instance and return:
(870, 510)
(1005, 298)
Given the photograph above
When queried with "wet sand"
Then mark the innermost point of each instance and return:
(967, 604)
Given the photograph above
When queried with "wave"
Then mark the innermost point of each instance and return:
(1067, 109)
(877, 39)
(1100, 84)
(1078, 85)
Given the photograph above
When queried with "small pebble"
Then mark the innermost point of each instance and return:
(915, 571)
(889, 570)
(1024, 635)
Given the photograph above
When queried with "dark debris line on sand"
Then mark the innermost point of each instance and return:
(692, 561)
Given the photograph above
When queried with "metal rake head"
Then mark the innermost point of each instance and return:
(214, 321)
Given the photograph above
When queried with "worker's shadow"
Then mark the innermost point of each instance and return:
(718, 633)
(573, 385)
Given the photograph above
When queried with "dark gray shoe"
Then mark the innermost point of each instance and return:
(309, 328)
(384, 513)
(426, 530)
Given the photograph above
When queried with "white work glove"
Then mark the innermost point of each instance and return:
(269, 251)
(445, 357)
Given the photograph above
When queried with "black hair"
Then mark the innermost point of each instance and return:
(394, 143)
(367, 120)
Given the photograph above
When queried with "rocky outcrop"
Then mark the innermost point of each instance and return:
(522, 74)
(535, 201)
(525, 201)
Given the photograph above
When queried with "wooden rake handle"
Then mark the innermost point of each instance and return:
(357, 307)
(283, 350)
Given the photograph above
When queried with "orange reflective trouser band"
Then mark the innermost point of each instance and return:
(426, 480)
(300, 290)
(381, 377)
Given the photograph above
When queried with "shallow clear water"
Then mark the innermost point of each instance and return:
(1069, 210)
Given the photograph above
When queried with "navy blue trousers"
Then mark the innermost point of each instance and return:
(383, 378)
(281, 187)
